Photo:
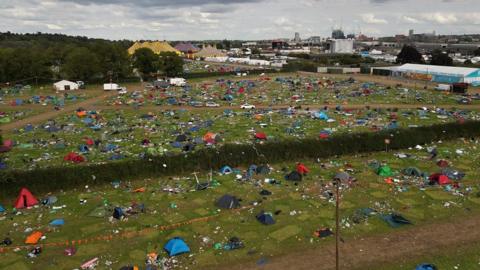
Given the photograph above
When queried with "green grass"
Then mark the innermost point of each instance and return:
(292, 231)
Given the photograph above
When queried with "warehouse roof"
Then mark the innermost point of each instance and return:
(431, 69)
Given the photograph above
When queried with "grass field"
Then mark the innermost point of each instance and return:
(303, 208)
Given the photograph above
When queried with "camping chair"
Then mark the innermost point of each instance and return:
(202, 186)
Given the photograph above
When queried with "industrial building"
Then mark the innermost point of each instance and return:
(439, 74)
(341, 46)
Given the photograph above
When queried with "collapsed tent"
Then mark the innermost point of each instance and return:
(293, 176)
(2, 209)
(412, 171)
(439, 179)
(176, 246)
(384, 171)
(395, 220)
(57, 222)
(260, 136)
(228, 202)
(74, 157)
(25, 199)
(265, 218)
(33, 238)
(118, 213)
(302, 169)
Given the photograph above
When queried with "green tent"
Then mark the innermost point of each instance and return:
(384, 171)
(412, 171)
(5, 120)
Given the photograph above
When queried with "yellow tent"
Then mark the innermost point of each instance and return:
(210, 51)
(157, 47)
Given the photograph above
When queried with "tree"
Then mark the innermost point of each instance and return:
(170, 64)
(440, 58)
(81, 64)
(409, 54)
(146, 62)
(477, 52)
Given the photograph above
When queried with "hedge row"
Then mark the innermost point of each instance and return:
(198, 75)
(57, 178)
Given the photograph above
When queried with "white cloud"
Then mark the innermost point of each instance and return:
(236, 19)
(409, 19)
(371, 19)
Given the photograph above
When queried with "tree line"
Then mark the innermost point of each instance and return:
(48, 57)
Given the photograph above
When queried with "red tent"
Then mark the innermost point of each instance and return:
(89, 141)
(260, 136)
(25, 199)
(442, 163)
(302, 169)
(438, 178)
(74, 157)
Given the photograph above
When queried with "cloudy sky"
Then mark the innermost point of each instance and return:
(236, 19)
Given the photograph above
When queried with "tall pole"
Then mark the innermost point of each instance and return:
(337, 224)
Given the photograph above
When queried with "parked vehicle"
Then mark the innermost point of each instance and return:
(247, 106)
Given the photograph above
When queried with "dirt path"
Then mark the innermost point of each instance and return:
(284, 106)
(372, 252)
(35, 119)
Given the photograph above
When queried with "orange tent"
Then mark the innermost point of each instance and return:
(209, 137)
(81, 113)
(33, 238)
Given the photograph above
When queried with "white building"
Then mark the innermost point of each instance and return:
(65, 85)
(341, 46)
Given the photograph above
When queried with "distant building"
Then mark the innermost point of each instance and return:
(411, 32)
(439, 74)
(313, 40)
(341, 46)
(297, 37)
(338, 34)
(279, 45)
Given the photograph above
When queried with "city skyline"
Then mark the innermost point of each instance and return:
(234, 19)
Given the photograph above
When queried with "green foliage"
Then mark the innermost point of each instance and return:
(146, 62)
(170, 64)
(440, 58)
(52, 179)
(300, 65)
(18, 64)
(410, 55)
(48, 57)
(81, 64)
(476, 52)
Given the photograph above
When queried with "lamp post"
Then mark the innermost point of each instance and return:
(337, 181)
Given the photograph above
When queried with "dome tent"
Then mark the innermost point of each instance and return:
(176, 246)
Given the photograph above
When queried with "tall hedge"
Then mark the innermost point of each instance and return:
(56, 178)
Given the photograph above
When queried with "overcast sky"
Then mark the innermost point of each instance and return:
(236, 19)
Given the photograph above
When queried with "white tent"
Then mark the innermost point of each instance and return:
(65, 85)
(110, 86)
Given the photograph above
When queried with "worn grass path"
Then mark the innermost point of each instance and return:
(374, 252)
(38, 118)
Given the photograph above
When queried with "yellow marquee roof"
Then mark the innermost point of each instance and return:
(156, 46)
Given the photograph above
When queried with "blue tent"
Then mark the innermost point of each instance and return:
(3, 165)
(392, 125)
(117, 157)
(226, 170)
(176, 145)
(176, 246)
(426, 266)
(321, 115)
(57, 222)
(28, 128)
(265, 218)
(2, 209)
(83, 148)
(118, 213)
